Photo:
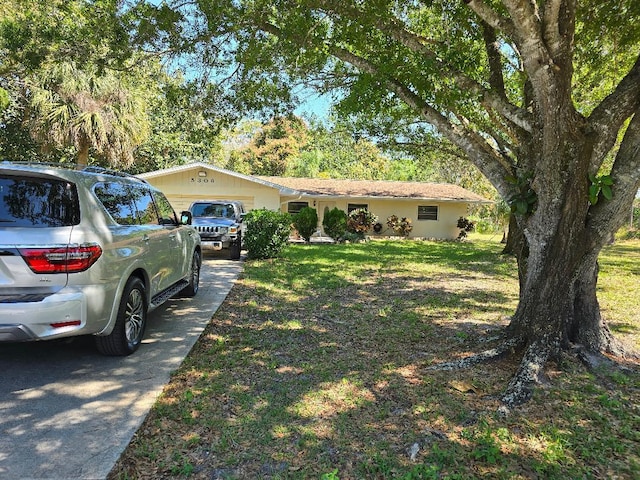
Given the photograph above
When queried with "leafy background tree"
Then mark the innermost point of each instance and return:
(79, 89)
(183, 124)
(272, 148)
(84, 110)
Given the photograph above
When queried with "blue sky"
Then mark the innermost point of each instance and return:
(315, 104)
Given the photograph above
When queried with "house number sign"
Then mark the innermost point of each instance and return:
(202, 180)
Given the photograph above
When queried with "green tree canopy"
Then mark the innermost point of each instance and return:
(33, 32)
(85, 110)
(272, 148)
(336, 152)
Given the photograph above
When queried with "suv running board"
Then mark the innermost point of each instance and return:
(165, 295)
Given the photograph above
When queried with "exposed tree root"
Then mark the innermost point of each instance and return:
(616, 348)
(591, 360)
(599, 363)
(529, 374)
(486, 356)
(531, 370)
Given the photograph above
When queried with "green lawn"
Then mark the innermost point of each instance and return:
(316, 366)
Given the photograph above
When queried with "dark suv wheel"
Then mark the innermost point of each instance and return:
(235, 248)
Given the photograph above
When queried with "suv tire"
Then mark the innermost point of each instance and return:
(235, 248)
(130, 324)
(194, 277)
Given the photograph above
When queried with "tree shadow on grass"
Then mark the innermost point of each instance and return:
(296, 378)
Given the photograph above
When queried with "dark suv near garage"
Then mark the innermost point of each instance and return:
(220, 224)
(88, 251)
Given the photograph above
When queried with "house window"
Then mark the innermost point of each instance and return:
(427, 212)
(355, 206)
(294, 207)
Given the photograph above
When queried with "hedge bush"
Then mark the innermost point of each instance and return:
(267, 233)
(306, 222)
(335, 223)
(400, 226)
(465, 225)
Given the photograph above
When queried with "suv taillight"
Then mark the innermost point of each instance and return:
(69, 259)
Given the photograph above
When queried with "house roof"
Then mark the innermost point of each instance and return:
(321, 187)
(377, 189)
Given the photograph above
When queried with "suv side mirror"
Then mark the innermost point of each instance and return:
(241, 218)
(186, 217)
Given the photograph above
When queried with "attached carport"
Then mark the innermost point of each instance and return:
(184, 184)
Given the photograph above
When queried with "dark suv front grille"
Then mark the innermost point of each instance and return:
(211, 229)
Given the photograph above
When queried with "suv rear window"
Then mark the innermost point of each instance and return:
(38, 202)
(134, 204)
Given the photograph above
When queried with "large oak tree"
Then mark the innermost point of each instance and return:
(542, 96)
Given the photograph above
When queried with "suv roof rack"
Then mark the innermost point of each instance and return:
(78, 167)
(108, 171)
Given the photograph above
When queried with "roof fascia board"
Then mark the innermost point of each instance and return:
(208, 166)
(402, 199)
(286, 191)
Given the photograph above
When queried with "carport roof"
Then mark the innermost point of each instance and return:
(284, 190)
(377, 189)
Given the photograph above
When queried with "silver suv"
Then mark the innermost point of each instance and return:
(88, 252)
(220, 224)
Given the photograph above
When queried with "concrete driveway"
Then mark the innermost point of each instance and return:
(67, 412)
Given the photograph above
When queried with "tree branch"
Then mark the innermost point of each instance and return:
(394, 29)
(536, 58)
(526, 19)
(551, 19)
(608, 216)
(488, 161)
(608, 117)
(491, 18)
(496, 79)
(559, 31)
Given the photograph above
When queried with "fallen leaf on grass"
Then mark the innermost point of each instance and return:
(462, 386)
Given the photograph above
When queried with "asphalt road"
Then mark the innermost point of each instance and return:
(66, 412)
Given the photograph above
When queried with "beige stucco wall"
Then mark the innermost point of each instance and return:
(443, 228)
(184, 187)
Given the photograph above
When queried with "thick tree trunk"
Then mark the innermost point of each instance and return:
(83, 153)
(511, 237)
(586, 326)
(542, 322)
(517, 246)
(558, 310)
(545, 307)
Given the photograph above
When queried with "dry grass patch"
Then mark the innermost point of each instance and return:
(316, 366)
